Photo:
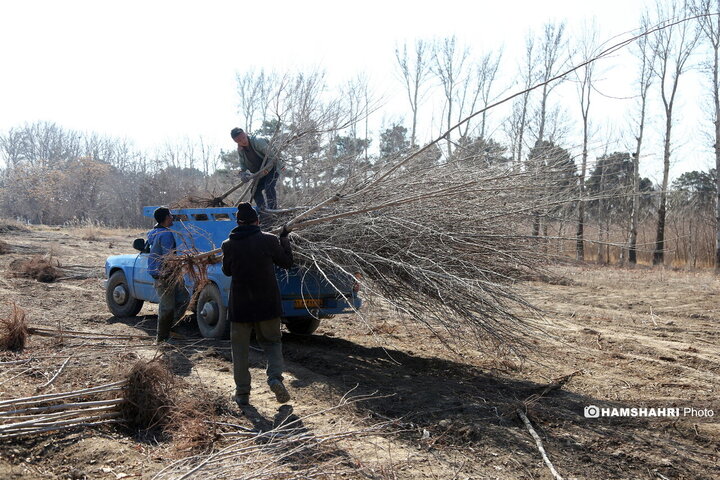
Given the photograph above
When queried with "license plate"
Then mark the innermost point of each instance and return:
(308, 303)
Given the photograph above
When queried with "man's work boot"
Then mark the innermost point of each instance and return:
(242, 399)
(281, 393)
(166, 342)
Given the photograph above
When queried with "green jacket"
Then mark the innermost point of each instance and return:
(263, 149)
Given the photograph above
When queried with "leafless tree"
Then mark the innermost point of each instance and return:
(553, 58)
(415, 71)
(645, 55)
(708, 12)
(672, 47)
(587, 50)
(516, 125)
(449, 67)
(487, 70)
(254, 91)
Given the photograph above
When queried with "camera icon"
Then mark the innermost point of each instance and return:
(591, 411)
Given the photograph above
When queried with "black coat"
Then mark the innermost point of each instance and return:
(249, 257)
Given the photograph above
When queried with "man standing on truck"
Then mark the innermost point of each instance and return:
(173, 295)
(249, 257)
(258, 161)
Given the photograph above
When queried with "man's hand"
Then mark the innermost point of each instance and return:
(285, 231)
(245, 176)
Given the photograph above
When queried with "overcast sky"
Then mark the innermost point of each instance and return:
(154, 71)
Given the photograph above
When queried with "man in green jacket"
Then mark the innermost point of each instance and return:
(259, 162)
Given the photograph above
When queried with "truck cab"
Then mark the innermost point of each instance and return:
(307, 296)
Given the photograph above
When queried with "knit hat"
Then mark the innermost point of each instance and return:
(235, 132)
(246, 214)
(161, 213)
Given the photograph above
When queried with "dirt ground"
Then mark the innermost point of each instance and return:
(632, 338)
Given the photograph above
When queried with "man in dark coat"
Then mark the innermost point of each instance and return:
(249, 257)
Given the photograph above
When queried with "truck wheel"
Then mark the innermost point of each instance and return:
(211, 314)
(118, 298)
(302, 325)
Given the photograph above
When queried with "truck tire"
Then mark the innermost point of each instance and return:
(302, 325)
(119, 300)
(211, 313)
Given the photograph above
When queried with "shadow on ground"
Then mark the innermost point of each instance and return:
(458, 405)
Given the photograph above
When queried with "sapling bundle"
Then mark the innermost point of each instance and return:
(13, 330)
(445, 246)
(149, 396)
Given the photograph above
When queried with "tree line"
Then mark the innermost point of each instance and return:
(586, 195)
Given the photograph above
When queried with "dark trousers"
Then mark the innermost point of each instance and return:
(268, 335)
(173, 303)
(267, 185)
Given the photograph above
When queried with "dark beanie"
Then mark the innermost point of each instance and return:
(161, 213)
(246, 214)
(235, 132)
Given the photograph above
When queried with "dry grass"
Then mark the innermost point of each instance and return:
(88, 230)
(13, 330)
(91, 234)
(43, 268)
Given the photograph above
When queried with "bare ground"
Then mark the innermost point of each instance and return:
(633, 338)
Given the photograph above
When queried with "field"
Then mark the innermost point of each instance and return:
(627, 338)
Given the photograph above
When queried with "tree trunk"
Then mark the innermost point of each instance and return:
(634, 213)
(543, 113)
(659, 254)
(414, 104)
(536, 224)
(580, 243)
(716, 99)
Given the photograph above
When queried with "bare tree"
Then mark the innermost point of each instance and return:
(449, 68)
(254, 91)
(646, 56)
(587, 49)
(415, 70)
(516, 125)
(487, 70)
(552, 58)
(672, 47)
(552, 61)
(709, 20)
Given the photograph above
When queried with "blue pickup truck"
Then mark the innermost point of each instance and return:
(307, 296)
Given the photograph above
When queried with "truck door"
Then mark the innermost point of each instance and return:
(143, 283)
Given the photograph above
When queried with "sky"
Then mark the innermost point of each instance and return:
(156, 71)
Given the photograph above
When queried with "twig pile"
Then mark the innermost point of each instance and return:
(155, 399)
(43, 268)
(148, 395)
(13, 330)
(287, 451)
(148, 398)
(59, 411)
(199, 201)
